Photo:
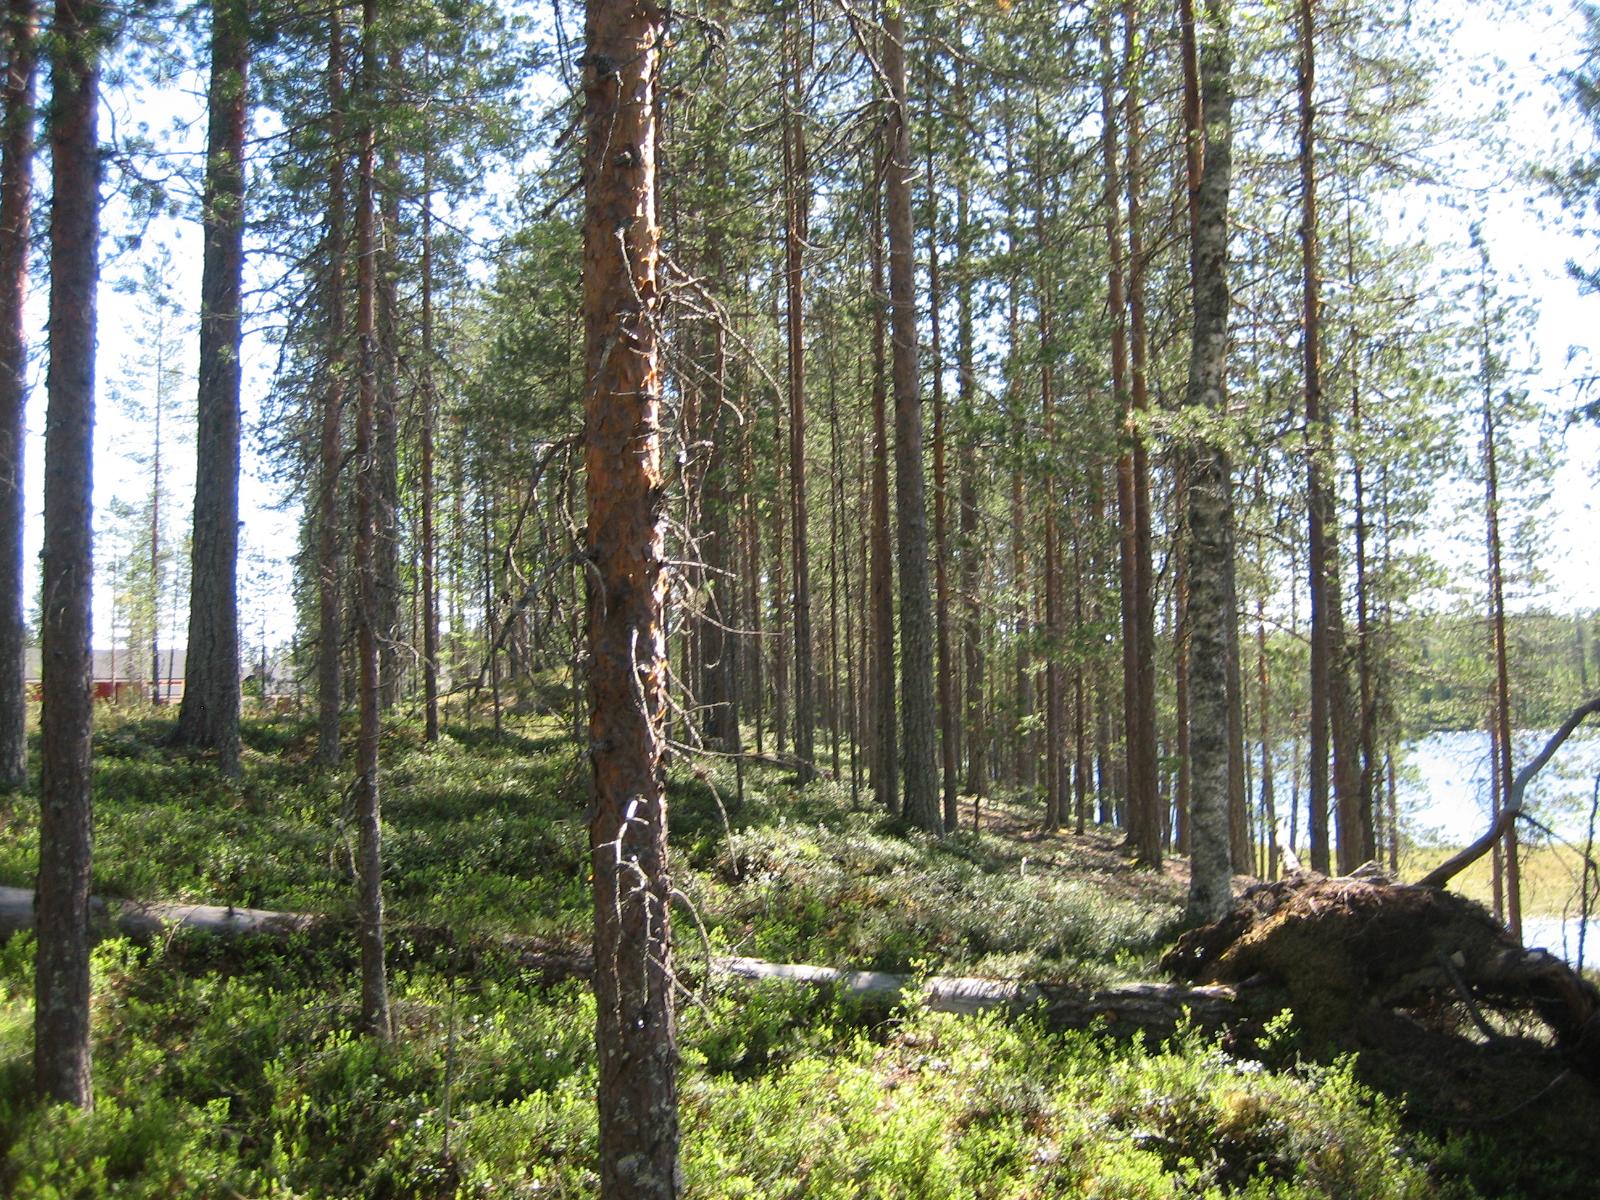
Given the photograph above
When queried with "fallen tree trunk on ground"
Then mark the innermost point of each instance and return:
(1335, 951)
(1154, 1008)
(140, 920)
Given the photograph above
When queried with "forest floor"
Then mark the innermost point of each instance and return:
(228, 1069)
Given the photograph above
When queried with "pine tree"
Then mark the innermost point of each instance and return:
(61, 989)
(209, 716)
(635, 1033)
(16, 195)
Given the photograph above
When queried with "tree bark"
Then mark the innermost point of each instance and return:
(61, 987)
(1211, 550)
(777, 577)
(1269, 808)
(1239, 832)
(16, 201)
(1118, 314)
(209, 714)
(157, 675)
(1318, 502)
(330, 452)
(1343, 725)
(369, 832)
(386, 415)
(1497, 627)
(1144, 815)
(429, 400)
(1054, 717)
(1182, 663)
(922, 806)
(796, 225)
(635, 1027)
(941, 547)
(885, 756)
(972, 549)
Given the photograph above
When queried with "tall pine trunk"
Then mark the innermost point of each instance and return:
(798, 205)
(1144, 815)
(428, 398)
(369, 837)
(209, 714)
(386, 415)
(61, 983)
(330, 450)
(1054, 716)
(16, 200)
(1127, 515)
(885, 741)
(1500, 705)
(972, 548)
(941, 547)
(1318, 497)
(633, 979)
(922, 806)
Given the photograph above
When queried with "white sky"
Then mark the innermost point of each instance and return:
(1515, 62)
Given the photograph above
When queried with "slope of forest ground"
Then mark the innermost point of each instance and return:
(228, 1068)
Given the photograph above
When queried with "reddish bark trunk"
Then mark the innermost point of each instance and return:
(635, 1030)
(429, 403)
(885, 741)
(922, 806)
(941, 556)
(330, 451)
(1144, 816)
(1318, 502)
(796, 226)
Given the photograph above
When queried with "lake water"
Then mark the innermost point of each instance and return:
(1561, 937)
(1442, 791)
(1443, 785)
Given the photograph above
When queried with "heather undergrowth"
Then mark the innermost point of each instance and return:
(227, 1068)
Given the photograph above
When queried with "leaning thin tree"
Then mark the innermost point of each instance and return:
(635, 1026)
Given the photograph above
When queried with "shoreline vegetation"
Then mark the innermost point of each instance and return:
(1551, 876)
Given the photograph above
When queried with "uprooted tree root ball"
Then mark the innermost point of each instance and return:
(1350, 953)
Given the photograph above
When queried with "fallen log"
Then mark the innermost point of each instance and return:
(1153, 1008)
(142, 921)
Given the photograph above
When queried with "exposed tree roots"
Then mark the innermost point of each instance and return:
(1351, 954)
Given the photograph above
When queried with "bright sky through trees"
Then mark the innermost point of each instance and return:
(1509, 63)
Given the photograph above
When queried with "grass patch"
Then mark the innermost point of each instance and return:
(1550, 876)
